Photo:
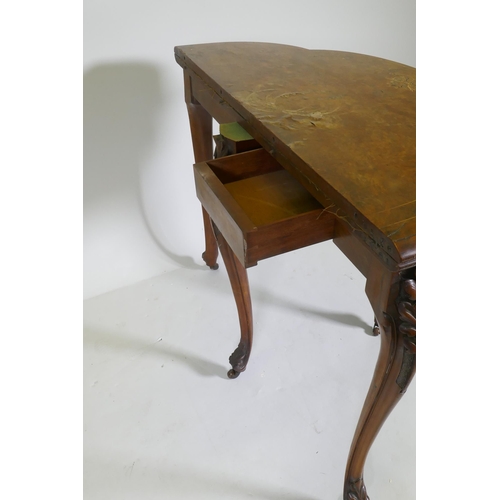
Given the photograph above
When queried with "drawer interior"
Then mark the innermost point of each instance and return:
(264, 190)
(271, 197)
(259, 207)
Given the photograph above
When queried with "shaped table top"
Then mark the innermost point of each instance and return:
(342, 123)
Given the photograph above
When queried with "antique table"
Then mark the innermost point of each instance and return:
(343, 125)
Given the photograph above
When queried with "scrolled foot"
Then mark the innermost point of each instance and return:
(355, 489)
(239, 359)
(233, 374)
(211, 265)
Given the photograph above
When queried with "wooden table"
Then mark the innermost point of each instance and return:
(343, 125)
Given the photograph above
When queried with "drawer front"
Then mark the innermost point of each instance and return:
(223, 209)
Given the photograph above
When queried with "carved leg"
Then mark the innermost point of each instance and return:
(241, 291)
(201, 133)
(393, 373)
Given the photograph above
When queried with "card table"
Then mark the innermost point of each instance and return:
(335, 130)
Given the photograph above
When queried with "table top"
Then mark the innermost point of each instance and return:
(342, 123)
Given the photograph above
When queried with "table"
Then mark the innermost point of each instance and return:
(343, 125)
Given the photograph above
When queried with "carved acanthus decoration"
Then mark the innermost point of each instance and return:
(407, 308)
(239, 358)
(356, 490)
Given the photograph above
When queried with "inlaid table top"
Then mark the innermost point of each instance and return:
(342, 123)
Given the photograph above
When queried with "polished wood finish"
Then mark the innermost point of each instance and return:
(241, 291)
(201, 133)
(343, 125)
(396, 320)
(258, 210)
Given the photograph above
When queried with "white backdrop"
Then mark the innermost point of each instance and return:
(141, 215)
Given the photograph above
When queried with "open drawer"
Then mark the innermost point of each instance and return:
(260, 209)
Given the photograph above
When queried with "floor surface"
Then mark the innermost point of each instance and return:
(162, 420)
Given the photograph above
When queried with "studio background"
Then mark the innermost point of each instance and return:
(141, 216)
(161, 420)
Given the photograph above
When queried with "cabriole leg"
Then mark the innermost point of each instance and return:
(393, 373)
(241, 291)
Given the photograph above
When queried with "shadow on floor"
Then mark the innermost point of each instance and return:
(103, 475)
(338, 317)
(199, 365)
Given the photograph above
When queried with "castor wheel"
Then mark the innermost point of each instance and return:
(232, 373)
